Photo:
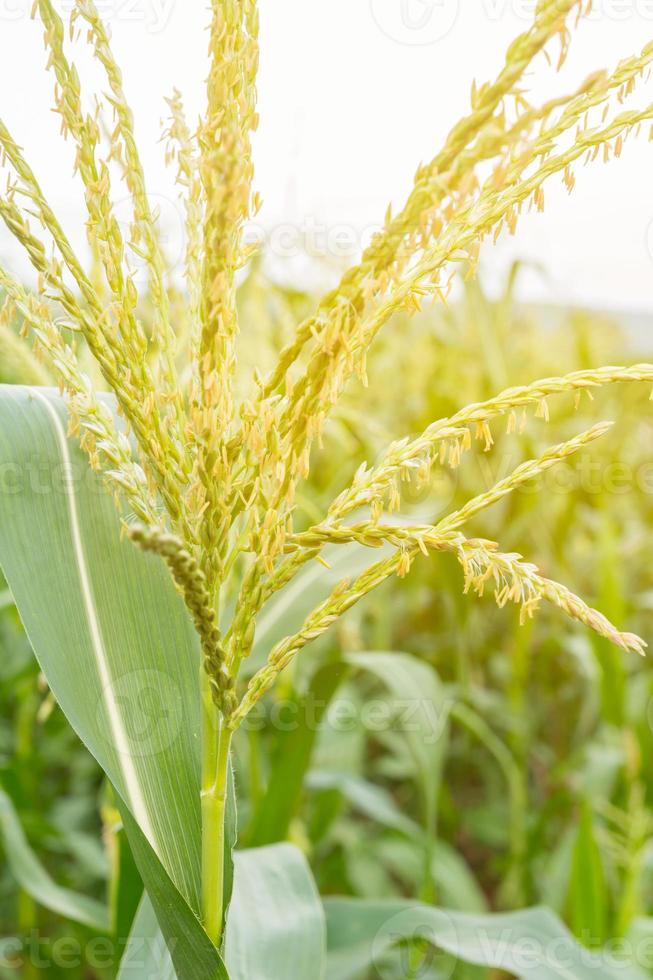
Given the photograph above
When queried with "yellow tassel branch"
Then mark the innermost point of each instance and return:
(206, 479)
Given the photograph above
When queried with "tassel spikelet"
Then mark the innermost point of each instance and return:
(191, 582)
(183, 153)
(372, 535)
(432, 182)
(374, 484)
(207, 479)
(109, 450)
(227, 172)
(513, 580)
(145, 239)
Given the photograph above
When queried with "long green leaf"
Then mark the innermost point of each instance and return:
(126, 884)
(423, 713)
(107, 626)
(292, 756)
(275, 927)
(163, 916)
(146, 954)
(193, 954)
(32, 876)
(533, 944)
(230, 840)
(587, 893)
(423, 709)
(454, 879)
(372, 801)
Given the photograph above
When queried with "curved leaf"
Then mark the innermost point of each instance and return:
(146, 954)
(533, 944)
(193, 954)
(275, 927)
(453, 877)
(587, 892)
(292, 756)
(32, 876)
(107, 626)
(423, 713)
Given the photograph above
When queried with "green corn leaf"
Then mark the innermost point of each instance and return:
(6, 599)
(126, 885)
(372, 801)
(452, 875)
(422, 708)
(193, 954)
(588, 898)
(146, 954)
(533, 945)
(32, 876)
(422, 713)
(639, 938)
(612, 601)
(456, 884)
(275, 927)
(292, 758)
(107, 626)
(230, 838)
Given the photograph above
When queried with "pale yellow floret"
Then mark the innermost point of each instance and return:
(227, 172)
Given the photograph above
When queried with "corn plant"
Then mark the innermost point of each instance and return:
(158, 586)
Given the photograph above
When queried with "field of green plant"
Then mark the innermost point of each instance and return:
(431, 746)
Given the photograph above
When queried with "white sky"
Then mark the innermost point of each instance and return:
(353, 95)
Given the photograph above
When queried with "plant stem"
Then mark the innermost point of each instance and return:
(216, 742)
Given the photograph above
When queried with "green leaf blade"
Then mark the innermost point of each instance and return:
(276, 925)
(107, 626)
